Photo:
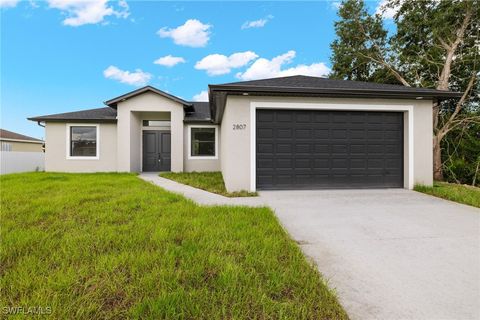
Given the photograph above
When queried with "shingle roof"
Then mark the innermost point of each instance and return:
(201, 112)
(317, 87)
(5, 134)
(292, 85)
(306, 82)
(106, 114)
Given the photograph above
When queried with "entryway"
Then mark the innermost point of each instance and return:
(156, 150)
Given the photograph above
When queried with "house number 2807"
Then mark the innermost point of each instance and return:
(239, 126)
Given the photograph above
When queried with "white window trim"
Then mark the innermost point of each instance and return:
(329, 106)
(190, 156)
(68, 126)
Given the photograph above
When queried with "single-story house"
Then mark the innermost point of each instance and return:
(12, 141)
(293, 132)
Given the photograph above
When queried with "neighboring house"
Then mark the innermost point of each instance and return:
(11, 141)
(20, 153)
(293, 132)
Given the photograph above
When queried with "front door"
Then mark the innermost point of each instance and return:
(156, 150)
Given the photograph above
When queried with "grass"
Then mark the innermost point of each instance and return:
(109, 246)
(455, 192)
(209, 181)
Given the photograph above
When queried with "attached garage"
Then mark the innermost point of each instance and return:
(313, 149)
(301, 132)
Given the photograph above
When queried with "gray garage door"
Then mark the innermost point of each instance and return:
(300, 149)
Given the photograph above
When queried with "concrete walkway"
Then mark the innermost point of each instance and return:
(199, 196)
(390, 254)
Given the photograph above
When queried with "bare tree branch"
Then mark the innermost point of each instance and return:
(459, 122)
(394, 72)
(458, 107)
(451, 49)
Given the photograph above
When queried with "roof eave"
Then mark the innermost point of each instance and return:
(344, 92)
(199, 121)
(22, 140)
(218, 94)
(40, 119)
(113, 102)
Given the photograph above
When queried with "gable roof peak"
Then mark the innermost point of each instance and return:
(113, 102)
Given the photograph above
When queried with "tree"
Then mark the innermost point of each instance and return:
(461, 156)
(348, 63)
(435, 45)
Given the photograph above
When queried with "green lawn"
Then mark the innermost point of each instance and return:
(209, 181)
(111, 246)
(454, 192)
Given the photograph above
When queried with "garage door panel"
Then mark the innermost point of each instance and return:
(339, 148)
(303, 133)
(321, 133)
(284, 163)
(284, 117)
(358, 164)
(303, 164)
(358, 134)
(265, 133)
(329, 149)
(339, 133)
(375, 134)
(265, 147)
(303, 148)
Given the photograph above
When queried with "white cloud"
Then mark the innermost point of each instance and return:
(169, 61)
(192, 33)
(137, 78)
(264, 68)
(336, 5)
(218, 64)
(386, 13)
(257, 23)
(8, 3)
(81, 12)
(202, 96)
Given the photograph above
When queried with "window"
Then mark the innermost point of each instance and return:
(156, 123)
(203, 142)
(83, 141)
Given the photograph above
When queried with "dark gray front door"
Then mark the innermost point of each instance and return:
(301, 149)
(156, 150)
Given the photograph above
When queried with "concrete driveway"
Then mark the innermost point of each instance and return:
(390, 254)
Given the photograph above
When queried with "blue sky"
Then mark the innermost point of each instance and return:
(67, 55)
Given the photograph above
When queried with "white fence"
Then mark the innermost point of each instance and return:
(16, 161)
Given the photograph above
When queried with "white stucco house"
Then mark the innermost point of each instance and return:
(293, 132)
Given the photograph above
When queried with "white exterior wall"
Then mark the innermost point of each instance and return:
(56, 146)
(238, 154)
(129, 139)
(235, 144)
